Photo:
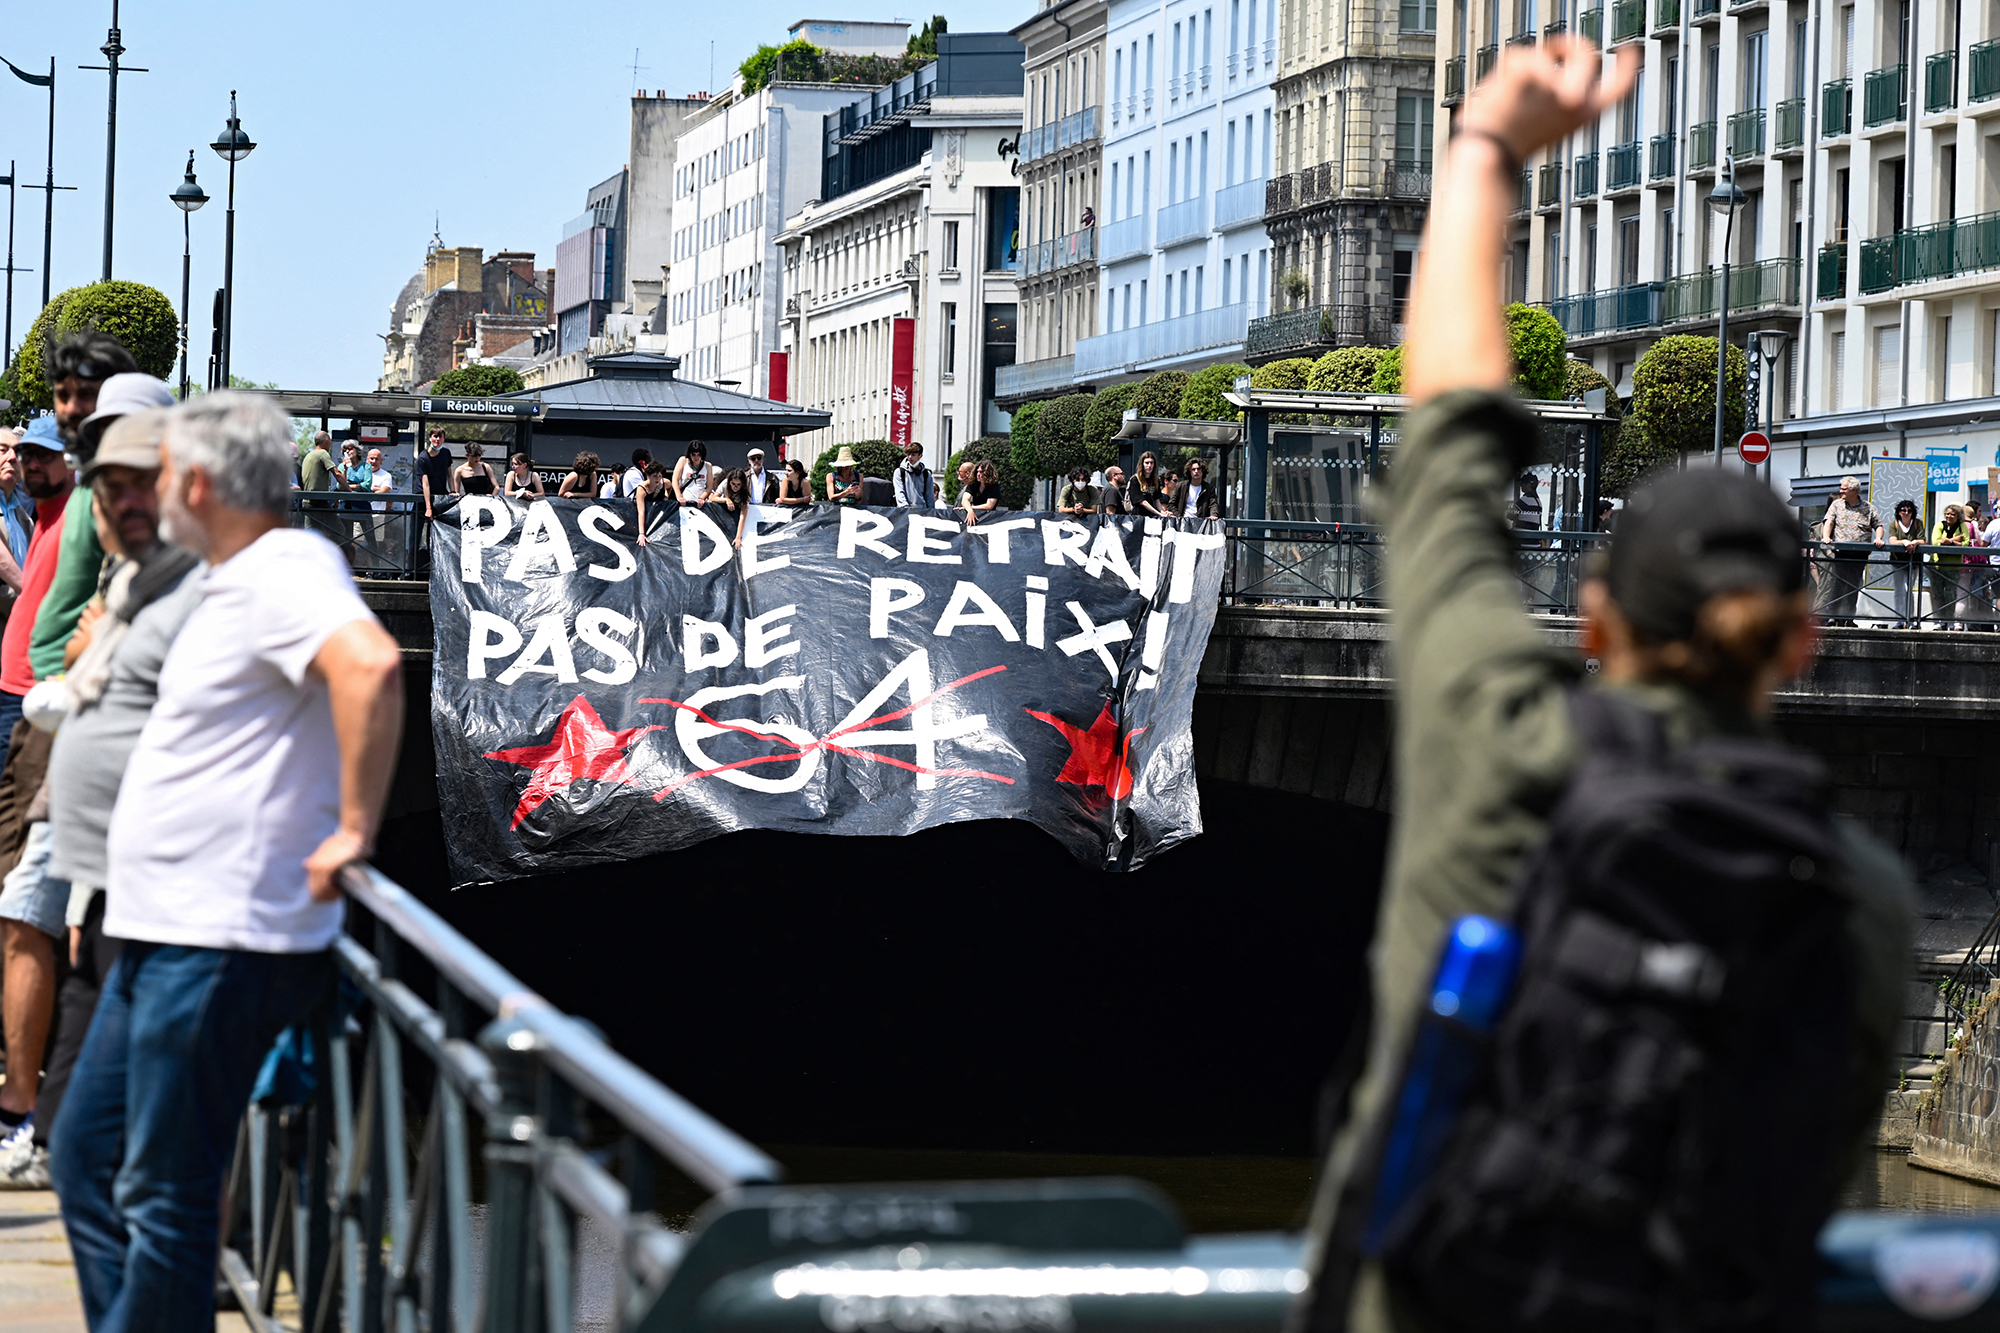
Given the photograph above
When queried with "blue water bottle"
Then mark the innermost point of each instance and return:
(1475, 977)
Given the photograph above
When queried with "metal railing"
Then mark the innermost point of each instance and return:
(1705, 9)
(1878, 265)
(384, 543)
(1484, 59)
(1077, 247)
(1941, 81)
(1125, 237)
(1882, 100)
(1836, 108)
(1406, 182)
(1548, 185)
(1628, 20)
(1181, 222)
(1076, 128)
(1864, 586)
(1163, 339)
(1583, 178)
(1660, 165)
(1621, 166)
(1299, 189)
(1832, 283)
(1667, 14)
(1746, 133)
(1982, 71)
(1526, 200)
(1617, 309)
(1791, 124)
(1555, 27)
(1590, 25)
(1701, 146)
(1765, 285)
(372, 1217)
(1317, 326)
(1924, 254)
(1454, 78)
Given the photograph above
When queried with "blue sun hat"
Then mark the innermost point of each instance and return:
(42, 434)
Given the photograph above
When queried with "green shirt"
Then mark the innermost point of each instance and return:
(79, 564)
(316, 471)
(1484, 748)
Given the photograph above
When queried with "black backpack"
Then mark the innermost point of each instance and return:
(1656, 1136)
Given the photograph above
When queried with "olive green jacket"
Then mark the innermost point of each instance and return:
(1484, 748)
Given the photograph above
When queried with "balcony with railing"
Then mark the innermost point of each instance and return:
(1239, 205)
(1660, 155)
(1078, 247)
(1521, 39)
(1768, 284)
(1026, 379)
(1298, 189)
(1699, 10)
(1666, 14)
(1454, 78)
(1948, 249)
(1182, 222)
(1548, 185)
(1483, 60)
(1292, 332)
(1791, 126)
(1746, 134)
(1982, 71)
(1836, 108)
(1941, 81)
(1590, 25)
(1618, 310)
(1584, 178)
(1628, 20)
(1406, 180)
(1076, 128)
(1527, 198)
(1832, 282)
(1185, 336)
(1555, 27)
(1701, 146)
(1621, 167)
(1124, 238)
(1882, 101)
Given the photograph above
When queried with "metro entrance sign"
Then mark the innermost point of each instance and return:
(1754, 447)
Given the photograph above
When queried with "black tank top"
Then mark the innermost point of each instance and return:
(475, 483)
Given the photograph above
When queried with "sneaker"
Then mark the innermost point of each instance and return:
(17, 1139)
(28, 1170)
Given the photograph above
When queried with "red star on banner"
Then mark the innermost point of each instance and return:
(582, 749)
(1096, 758)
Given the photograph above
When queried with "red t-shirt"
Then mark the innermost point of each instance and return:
(16, 677)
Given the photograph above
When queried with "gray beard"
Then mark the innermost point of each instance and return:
(180, 527)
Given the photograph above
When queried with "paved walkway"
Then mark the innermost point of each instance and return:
(37, 1284)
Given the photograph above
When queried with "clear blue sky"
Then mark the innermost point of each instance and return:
(369, 117)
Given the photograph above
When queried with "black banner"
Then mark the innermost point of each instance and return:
(859, 671)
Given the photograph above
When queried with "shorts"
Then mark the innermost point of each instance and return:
(30, 894)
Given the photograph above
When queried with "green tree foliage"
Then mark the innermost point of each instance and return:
(1107, 414)
(1388, 372)
(138, 316)
(1021, 435)
(1346, 370)
(1160, 394)
(799, 60)
(1203, 399)
(1540, 350)
(878, 458)
(1673, 402)
(1014, 488)
(1617, 471)
(1059, 434)
(478, 381)
(1290, 373)
(925, 42)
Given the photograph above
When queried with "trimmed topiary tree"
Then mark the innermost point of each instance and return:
(1202, 399)
(141, 318)
(1021, 435)
(1059, 434)
(1345, 370)
(1160, 394)
(478, 381)
(877, 458)
(1540, 350)
(1290, 373)
(1388, 372)
(1106, 415)
(1673, 403)
(1014, 488)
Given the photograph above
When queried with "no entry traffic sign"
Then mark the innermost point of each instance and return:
(1754, 447)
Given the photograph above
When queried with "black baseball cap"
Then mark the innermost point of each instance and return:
(1691, 535)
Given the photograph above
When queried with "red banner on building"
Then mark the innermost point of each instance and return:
(902, 375)
(781, 377)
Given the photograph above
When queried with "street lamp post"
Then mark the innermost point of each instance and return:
(233, 145)
(188, 196)
(1770, 346)
(1725, 199)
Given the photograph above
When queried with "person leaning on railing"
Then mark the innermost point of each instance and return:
(1698, 615)
(1850, 521)
(1144, 494)
(1948, 570)
(1906, 539)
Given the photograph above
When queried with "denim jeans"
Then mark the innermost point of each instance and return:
(149, 1123)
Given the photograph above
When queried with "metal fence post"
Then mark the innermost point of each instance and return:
(515, 1300)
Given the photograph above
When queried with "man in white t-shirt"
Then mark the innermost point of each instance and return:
(258, 777)
(635, 476)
